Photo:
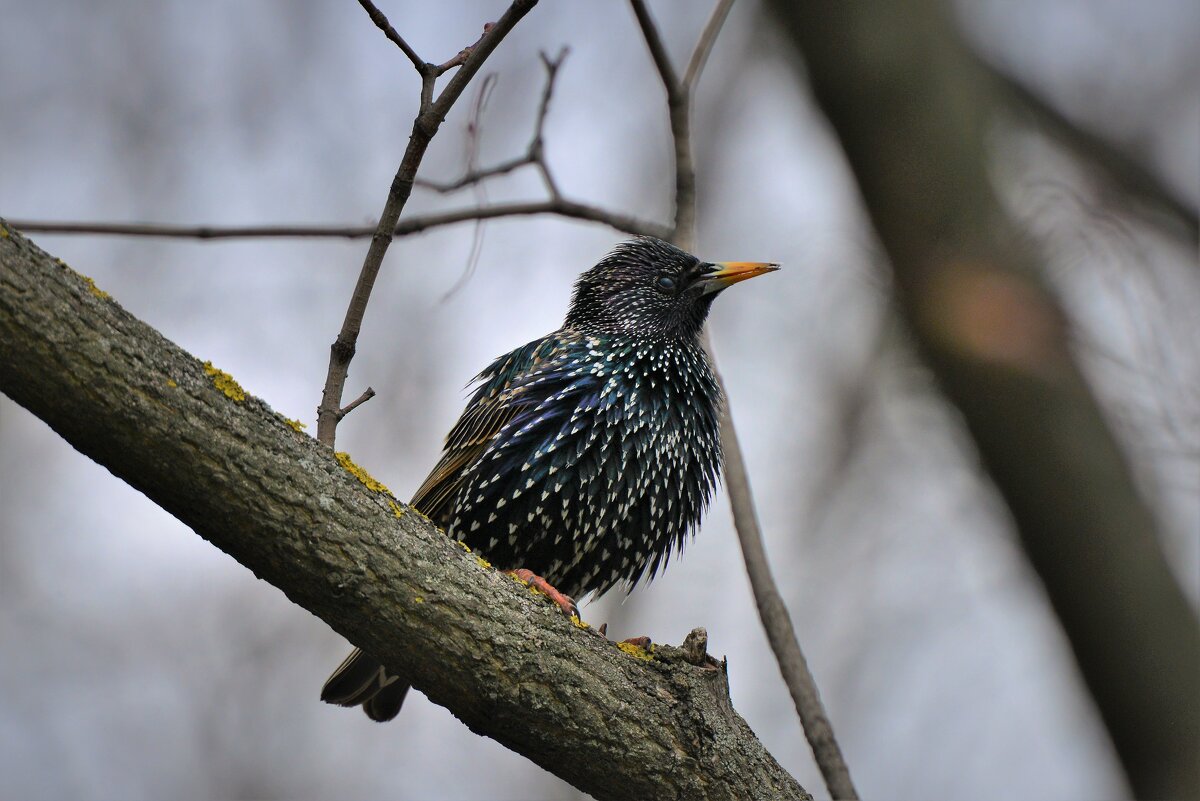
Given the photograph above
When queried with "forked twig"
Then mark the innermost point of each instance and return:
(429, 118)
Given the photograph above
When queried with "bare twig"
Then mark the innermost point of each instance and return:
(381, 22)
(781, 633)
(354, 404)
(561, 207)
(705, 43)
(479, 190)
(678, 109)
(425, 126)
(406, 227)
(475, 176)
(461, 57)
(534, 154)
(658, 49)
(778, 622)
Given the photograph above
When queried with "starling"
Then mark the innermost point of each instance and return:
(586, 456)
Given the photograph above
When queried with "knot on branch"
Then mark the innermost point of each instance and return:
(342, 349)
(695, 646)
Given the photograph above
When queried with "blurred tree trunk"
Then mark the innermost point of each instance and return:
(911, 110)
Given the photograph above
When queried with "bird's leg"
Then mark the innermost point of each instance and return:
(565, 602)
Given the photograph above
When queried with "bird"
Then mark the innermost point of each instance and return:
(584, 458)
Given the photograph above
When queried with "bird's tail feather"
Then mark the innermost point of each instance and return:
(361, 679)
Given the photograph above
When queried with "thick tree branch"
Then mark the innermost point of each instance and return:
(911, 110)
(772, 611)
(429, 118)
(505, 662)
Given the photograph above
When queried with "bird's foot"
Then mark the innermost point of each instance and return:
(565, 602)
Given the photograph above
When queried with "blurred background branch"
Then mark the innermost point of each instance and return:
(1128, 175)
(911, 109)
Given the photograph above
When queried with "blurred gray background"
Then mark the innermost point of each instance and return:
(138, 662)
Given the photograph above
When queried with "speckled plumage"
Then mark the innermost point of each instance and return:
(589, 455)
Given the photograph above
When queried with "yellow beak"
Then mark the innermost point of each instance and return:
(733, 271)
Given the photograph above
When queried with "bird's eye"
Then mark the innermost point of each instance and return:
(665, 283)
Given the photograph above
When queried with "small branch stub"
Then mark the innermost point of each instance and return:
(354, 404)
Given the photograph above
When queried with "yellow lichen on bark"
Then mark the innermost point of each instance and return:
(636, 651)
(224, 382)
(363, 476)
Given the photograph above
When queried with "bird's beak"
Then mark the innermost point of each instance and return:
(731, 272)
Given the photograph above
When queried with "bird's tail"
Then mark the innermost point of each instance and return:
(361, 679)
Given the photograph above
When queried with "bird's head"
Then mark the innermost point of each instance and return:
(652, 290)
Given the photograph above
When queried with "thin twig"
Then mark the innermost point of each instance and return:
(776, 620)
(425, 126)
(679, 111)
(381, 21)
(534, 154)
(781, 633)
(658, 50)
(479, 190)
(475, 176)
(407, 227)
(537, 148)
(705, 43)
(461, 57)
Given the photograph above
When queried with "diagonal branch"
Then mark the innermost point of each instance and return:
(680, 117)
(704, 44)
(614, 724)
(781, 633)
(429, 119)
(381, 22)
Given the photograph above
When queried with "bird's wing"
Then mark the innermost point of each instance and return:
(497, 400)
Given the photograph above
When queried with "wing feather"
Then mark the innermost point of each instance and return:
(497, 400)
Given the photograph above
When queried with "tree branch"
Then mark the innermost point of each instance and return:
(704, 44)
(911, 111)
(406, 227)
(534, 154)
(381, 22)
(503, 661)
(781, 632)
(679, 111)
(429, 118)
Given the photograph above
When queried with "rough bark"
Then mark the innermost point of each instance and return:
(911, 109)
(507, 664)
